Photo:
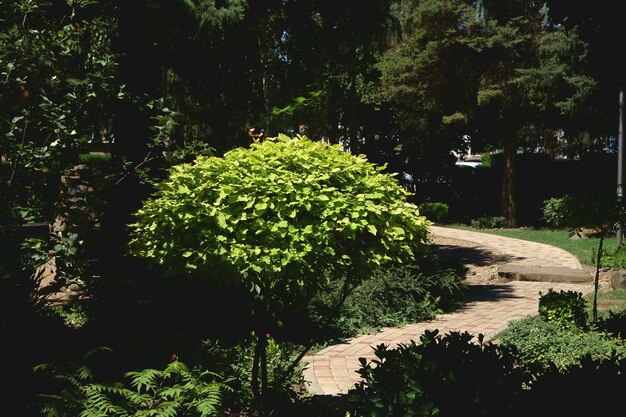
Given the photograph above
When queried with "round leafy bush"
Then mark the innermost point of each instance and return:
(277, 214)
(437, 212)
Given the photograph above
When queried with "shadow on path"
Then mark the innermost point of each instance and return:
(470, 255)
(490, 293)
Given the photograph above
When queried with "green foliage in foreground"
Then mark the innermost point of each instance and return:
(540, 344)
(443, 375)
(175, 391)
(452, 375)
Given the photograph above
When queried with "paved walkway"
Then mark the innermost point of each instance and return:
(489, 310)
(515, 251)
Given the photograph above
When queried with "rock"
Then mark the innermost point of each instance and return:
(512, 272)
(578, 236)
(618, 279)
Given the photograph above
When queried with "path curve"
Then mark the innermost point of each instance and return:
(332, 371)
(517, 251)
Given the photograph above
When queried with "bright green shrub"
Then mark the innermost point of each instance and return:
(488, 222)
(567, 308)
(443, 375)
(540, 344)
(277, 214)
(437, 212)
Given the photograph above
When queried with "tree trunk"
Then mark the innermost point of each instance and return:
(548, 144)
(596, 281)
(353, 116)
(265, 88)
(263, 342)
(508, 180)
(254, 378)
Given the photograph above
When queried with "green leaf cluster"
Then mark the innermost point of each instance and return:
(566, 308)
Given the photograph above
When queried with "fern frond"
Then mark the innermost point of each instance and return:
(206, 407)
(169, 409)
(146, 379)
(171, 392)
(84, 373)
(41, 367)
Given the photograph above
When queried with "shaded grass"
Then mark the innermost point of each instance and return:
(94, 156)
(584, 249)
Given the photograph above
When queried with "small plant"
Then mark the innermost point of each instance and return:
(557, 211)
(614, 323)
(566, 308)
(488, 160)
(72, 315)
(436, 212)
(488, 222)
(615, 259)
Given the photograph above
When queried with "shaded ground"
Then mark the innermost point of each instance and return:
(482, 262)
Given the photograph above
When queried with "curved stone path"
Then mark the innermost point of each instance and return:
(332, 371)
(515, 251)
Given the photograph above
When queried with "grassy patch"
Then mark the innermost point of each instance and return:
(584, 249)
(614, 301)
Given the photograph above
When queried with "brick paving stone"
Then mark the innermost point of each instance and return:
(332, 371)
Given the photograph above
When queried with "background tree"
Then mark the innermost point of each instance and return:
(428, 79)
(523, 57)
(598, 27)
